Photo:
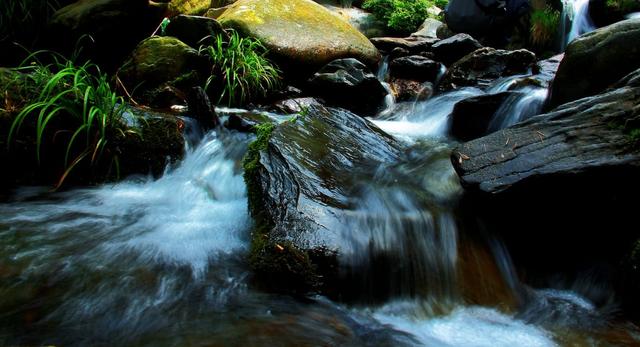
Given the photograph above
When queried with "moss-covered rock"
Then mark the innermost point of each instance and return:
(160, 60)
(299, 32)
(189, 7)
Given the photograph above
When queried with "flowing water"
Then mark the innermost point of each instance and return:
(575, 12)
(162, 262)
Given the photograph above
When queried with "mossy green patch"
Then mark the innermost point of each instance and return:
(189, 7)
(299, 31)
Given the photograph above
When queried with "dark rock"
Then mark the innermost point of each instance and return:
(575, 138)
(486, 65)
(454, 48)
(398, 52)
(115, 27)
(559, 184)
(348, 83)
(605, 13)
(414, 45)
(596, 60)
(201, 109)
(408, 90)
(296, 105)
(416, 67)
(471, 117)
(195, 30)
(545, 70)
(299, 183)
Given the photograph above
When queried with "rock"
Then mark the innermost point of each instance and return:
(409, 90)
(246, 121)
(486, 65)
(160, 143)
(556, 188)
(579, 137)
(444, 32)
(189, 7)
(605, 13)
(546, 69)
(299, 33)
(348, 83)
(195, 30)
(115, 26)
(300, 176)
(471, 117)
(454, 48)
(414, 45)
(158, 60)
(296, 105)
(416, 68)
(607, 54)
(429, 28)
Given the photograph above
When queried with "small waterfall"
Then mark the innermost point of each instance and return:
(389, 99)
(575, 12)
(525, 103)
(424, 119)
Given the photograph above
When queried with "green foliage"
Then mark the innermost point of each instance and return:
(75, 102)
(240, 69)
(544, 26)
(402, 15)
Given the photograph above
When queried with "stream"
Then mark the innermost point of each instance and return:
(162, 262)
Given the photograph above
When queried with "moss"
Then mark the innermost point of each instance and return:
(299, 31)
(189, 7)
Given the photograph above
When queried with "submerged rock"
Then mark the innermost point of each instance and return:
(350, 84)
(596, 60)
(300, 177)
(300, 33)
(485, 65)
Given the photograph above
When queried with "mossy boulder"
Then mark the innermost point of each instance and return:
(596, 60)
(189, 7)
(159, 60)
(301, 33)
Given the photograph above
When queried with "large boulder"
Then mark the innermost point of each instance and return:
(485, 65)
(115, 27)
(413, 44)
(558, 189)
(300, 177)
(350, 84)
(300, 33)
(454, 48)
(596, 60)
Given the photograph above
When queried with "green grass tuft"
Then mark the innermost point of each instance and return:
(240, 70)
(544, 26)
(74, 102)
